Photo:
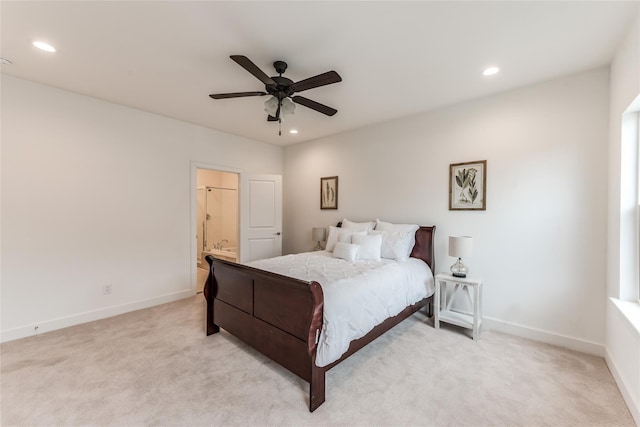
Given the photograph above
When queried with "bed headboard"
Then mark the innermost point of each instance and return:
(424, 248)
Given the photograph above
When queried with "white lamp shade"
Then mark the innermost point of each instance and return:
(318, 233)
(287, 107)
(460, 246)
(271, 105)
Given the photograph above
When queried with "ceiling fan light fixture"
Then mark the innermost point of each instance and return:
(288, 107)
(271, 106)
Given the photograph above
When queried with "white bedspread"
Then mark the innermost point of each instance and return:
(357, 295)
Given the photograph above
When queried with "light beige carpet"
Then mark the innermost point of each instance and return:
(157, 367)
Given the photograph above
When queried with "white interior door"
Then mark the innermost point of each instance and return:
(260, 217)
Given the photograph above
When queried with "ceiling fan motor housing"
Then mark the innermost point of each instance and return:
(282, 88)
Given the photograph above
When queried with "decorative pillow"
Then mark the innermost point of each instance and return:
(395, 244)
(345, 251)
(337, 234)
(346, 236)
(334, 232)
(387, 226)
(358, 226)
(406, 228)
(370, 246)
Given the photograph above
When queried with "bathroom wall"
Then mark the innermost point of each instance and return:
(212, 178)
(223, 222)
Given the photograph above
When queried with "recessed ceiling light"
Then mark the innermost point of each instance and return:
(294, 131)
(490, 71)
(44, 46)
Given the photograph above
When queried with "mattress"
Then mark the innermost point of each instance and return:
(357, 295)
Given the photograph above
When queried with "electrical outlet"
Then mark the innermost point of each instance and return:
(106, 290)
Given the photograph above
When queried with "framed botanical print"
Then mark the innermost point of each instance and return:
(329, 192)
(468, 186)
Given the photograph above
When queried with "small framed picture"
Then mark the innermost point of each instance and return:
(468, 186)
(329, 192)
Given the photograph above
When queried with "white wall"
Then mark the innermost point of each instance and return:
(623, 337)
(95, 193)
(541, 244)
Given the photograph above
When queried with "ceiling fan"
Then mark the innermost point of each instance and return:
(282, 89)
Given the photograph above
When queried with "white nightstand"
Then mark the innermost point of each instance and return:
(442, 306)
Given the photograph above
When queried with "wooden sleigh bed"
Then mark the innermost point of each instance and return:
(282, 317)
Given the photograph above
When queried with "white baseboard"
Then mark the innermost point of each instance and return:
(89, 316)
(544, 336)
(634, 407)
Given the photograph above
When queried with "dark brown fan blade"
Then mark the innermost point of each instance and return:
(314, 105)
(236, 94)
(320, 80)
(246, 63)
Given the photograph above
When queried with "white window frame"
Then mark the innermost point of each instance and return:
(637, 246)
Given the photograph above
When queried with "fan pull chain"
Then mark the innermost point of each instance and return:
(279, 127)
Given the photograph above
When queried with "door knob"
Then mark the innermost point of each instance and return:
(278, 233)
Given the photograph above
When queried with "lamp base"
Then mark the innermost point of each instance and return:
(459, 269)
(318, 247)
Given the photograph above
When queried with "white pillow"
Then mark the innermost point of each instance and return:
(346, 236)
(346, 251)
(369, 246)
(358, 226)
(410, 228)
(336, 234)
(387, 226)
(396, 244)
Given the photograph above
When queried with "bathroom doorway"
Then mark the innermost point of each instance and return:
(217, 218)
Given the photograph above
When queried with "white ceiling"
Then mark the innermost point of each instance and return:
(395, 58)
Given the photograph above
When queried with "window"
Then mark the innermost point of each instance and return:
(637, 246)
(630, 204)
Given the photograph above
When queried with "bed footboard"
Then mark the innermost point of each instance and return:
(277, 315)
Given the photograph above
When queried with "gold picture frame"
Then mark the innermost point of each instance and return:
(329, 192)
(468, 186)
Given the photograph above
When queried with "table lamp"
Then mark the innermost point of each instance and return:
(318, 234)
(460, 246)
